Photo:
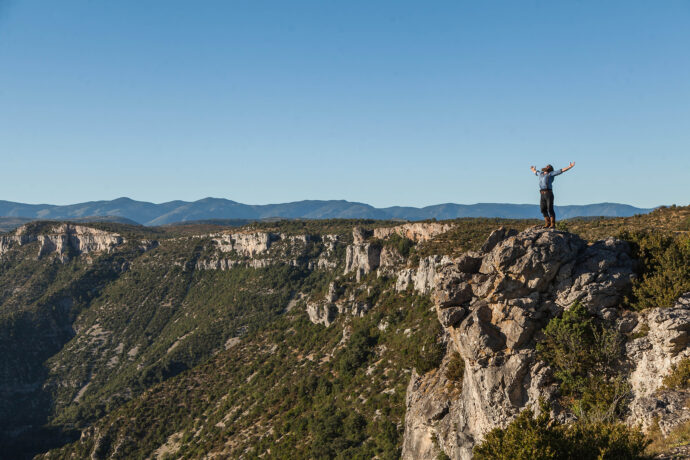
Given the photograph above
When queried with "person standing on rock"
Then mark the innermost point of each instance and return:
(546, 176)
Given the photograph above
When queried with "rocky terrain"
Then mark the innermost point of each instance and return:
(492, 305)
(326, 339)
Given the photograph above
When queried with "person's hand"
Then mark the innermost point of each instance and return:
(572, 163)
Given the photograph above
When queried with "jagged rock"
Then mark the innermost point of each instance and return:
(600, 278)
(246, 244)
(333, 292)
(665, 409)
(521, 281)
(419, 231)
(63, 240)
(451, 317)
(404, 279)
(362, 257)
(425, 276)
(496, 237)
(322, 313)
(215, 264)
(359, 235)
(470, 262)
(427, 402)
(653, 357)
(390, 257)
(452, 289)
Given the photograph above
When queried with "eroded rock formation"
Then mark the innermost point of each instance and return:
(63, 240)
(490, 305)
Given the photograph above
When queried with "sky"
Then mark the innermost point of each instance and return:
(382, 102)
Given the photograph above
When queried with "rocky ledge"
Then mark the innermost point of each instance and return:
(492, 304)
(62, 240)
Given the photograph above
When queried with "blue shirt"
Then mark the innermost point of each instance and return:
(546, 179)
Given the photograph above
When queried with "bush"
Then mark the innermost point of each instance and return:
(538, 437)
(429, 355)
(456, 369)
(357, 351)
(402, 244)
(679, 378)
(664, 271)
(585, 355)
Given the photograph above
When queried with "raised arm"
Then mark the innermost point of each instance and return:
(572, 163)
(534, 170)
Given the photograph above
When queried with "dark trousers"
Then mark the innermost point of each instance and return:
(546, 204)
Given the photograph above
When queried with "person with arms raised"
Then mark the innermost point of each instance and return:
(546, 176)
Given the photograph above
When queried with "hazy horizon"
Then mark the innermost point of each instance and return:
(47, 203)
(382, 103)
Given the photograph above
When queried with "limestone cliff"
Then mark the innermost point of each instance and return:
(491, 306)
(419, 231)
(261, 249)
(62, 240)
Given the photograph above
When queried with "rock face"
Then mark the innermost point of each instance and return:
(325, 311)
(261, 249)
(490, 305)
(246, 244)
(652, 357)
(417, 232)
(362, 257)
(63, 240)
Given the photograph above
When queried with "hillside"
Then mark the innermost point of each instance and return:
(325, 339)
(220, 209)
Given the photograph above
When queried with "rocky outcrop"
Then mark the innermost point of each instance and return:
(665, 335)
(63, 240)
(419, 231)
(361, 256)
(262, 249)
(246, 244)
(326, 310)
(491, 304)
(424, 277)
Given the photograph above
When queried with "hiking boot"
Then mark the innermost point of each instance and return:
(547, 222)
(552, 224)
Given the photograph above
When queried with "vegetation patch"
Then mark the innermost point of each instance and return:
(585, 354)
(664, 268)
(679, 378)
(456, 369)
(531, 437)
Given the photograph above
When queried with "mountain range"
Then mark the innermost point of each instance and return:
(152, 214)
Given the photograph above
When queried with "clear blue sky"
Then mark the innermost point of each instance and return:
(384, 102)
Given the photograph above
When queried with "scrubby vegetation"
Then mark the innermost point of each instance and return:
(531, 437)
(322, 398)
(664, 268)
(456, 369)
(679, 377)
(586, 354)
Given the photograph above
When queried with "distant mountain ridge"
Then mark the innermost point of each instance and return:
(152, 214)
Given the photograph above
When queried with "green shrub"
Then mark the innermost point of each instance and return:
(357, 351)
(679, 378)
(664, 268)
(429, 355)
(401, 243)
(585, 355)
(456, 369)
(538, 437)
